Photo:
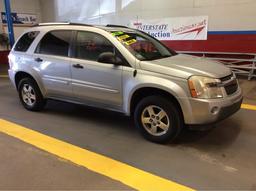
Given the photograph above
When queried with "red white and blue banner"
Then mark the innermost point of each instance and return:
(177, 28)
(20, 18)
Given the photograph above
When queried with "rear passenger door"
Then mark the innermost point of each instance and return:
(93, 81)
(52, 60)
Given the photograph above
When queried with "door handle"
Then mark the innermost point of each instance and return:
(38, 59)
(78, 66)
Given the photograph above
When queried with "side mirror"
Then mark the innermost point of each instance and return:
(109, 58)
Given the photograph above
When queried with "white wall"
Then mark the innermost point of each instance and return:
(22, 6)
(223, 14)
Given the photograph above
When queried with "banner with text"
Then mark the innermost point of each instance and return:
(20, 19)
(179, 28)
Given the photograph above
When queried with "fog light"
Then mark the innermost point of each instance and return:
(215, 110)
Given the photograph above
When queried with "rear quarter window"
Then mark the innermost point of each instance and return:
(25, 41)
(55, 43)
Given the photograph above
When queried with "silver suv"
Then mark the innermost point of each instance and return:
(125, 70)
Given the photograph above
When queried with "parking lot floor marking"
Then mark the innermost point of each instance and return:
(128, 175)
(248, 106)
(3, 76)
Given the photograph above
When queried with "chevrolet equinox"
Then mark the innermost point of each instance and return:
(125, 70)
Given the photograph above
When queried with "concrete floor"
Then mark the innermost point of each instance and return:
(23, 167)
(220, 159)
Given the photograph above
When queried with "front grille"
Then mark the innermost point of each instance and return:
(226, 78)
(231, 88)
(230, 84)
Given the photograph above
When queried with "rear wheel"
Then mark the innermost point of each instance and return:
(158, 119)
(30, 95)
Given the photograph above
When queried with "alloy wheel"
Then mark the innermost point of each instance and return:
(155, 120)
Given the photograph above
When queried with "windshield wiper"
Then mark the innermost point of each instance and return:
(166, 56)
(157, 57)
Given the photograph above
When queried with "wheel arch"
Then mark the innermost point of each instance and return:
(21, 75)
(143, 92)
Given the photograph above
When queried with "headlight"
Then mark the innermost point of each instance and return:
(205, 87)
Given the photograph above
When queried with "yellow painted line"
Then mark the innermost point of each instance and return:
(249, 107)
(128, 175)
(4, 76)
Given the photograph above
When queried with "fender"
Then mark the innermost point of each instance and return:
(36, 77)
(174, 86)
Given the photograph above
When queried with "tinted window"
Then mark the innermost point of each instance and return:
(25, 41)
(90, 45)
(55, 43)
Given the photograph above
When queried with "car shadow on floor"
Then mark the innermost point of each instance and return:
(89, 114)
(221, 135)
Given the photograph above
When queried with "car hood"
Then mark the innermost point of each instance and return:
(184, 66)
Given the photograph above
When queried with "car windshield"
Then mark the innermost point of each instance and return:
(142, 45)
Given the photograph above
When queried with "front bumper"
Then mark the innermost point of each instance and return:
(209, 111)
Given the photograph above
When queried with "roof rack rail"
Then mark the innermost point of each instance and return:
(53, 23)
(60, 23)
(81, 24)
(71, 23)
(110, 25)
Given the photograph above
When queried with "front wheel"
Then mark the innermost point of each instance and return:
(158, 119)
(30, 95)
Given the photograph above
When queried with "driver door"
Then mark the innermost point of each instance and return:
(93, 81)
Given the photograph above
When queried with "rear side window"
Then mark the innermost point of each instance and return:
(25, 41)
(55, 43)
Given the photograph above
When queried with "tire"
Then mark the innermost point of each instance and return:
(159, 127)
(30, 95)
